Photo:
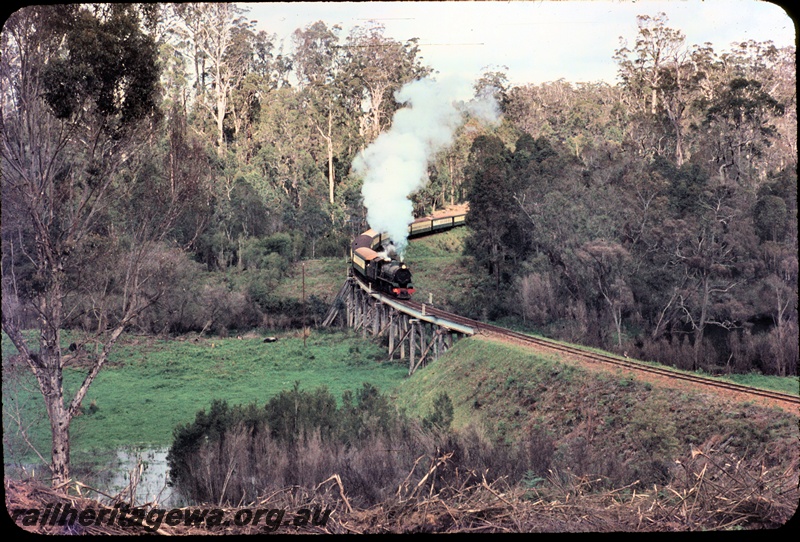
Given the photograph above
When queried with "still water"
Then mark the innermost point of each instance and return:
(144, 470)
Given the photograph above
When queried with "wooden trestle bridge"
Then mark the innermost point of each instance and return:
(413, 333)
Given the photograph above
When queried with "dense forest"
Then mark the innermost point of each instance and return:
(163, 165)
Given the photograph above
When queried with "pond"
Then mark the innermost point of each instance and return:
(114, 474)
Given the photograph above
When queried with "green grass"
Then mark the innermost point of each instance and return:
(439, 270)
(483, 380)
(151, 386)
(785, 384)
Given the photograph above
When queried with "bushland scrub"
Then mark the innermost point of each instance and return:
(151, 385)
(301, 439)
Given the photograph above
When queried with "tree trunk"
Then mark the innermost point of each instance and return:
(452, 181)
(331, 174)
(221, 107)
(376, 100)
(616, 313)
(678, 146)
(59, 425)
(46, 367)
(653, 101)
(701, 325)
(50, 375)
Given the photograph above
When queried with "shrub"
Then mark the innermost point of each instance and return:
(274, 253)
(296, 414)
(442, 415)
(300, 438)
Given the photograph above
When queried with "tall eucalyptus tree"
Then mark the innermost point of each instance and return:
(210, 31)
(318, 60)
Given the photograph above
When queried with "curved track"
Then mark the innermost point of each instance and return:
(783, 400)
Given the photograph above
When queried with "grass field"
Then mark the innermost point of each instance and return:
(150, 386)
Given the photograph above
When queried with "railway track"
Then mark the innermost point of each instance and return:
(783, 400)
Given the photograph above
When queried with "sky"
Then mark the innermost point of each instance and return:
(533, 41)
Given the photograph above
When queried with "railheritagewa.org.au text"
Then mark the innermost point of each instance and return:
(269, 519)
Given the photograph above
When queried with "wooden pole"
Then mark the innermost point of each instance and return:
(404, 332)
(392, 332)
(411, 345)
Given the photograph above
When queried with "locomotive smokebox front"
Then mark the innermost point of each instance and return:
(402, 275)
(396, 273)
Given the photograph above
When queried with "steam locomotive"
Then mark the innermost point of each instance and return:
(372, 260)
(379, 269)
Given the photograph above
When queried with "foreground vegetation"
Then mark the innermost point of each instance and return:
(539, 430)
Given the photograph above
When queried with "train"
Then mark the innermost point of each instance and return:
(378, 266)
(372, 259)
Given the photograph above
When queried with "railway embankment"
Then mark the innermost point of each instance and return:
(606, 425)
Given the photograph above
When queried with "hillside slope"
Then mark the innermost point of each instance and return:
(602, 424)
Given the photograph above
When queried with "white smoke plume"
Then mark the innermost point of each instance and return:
(395, 165)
